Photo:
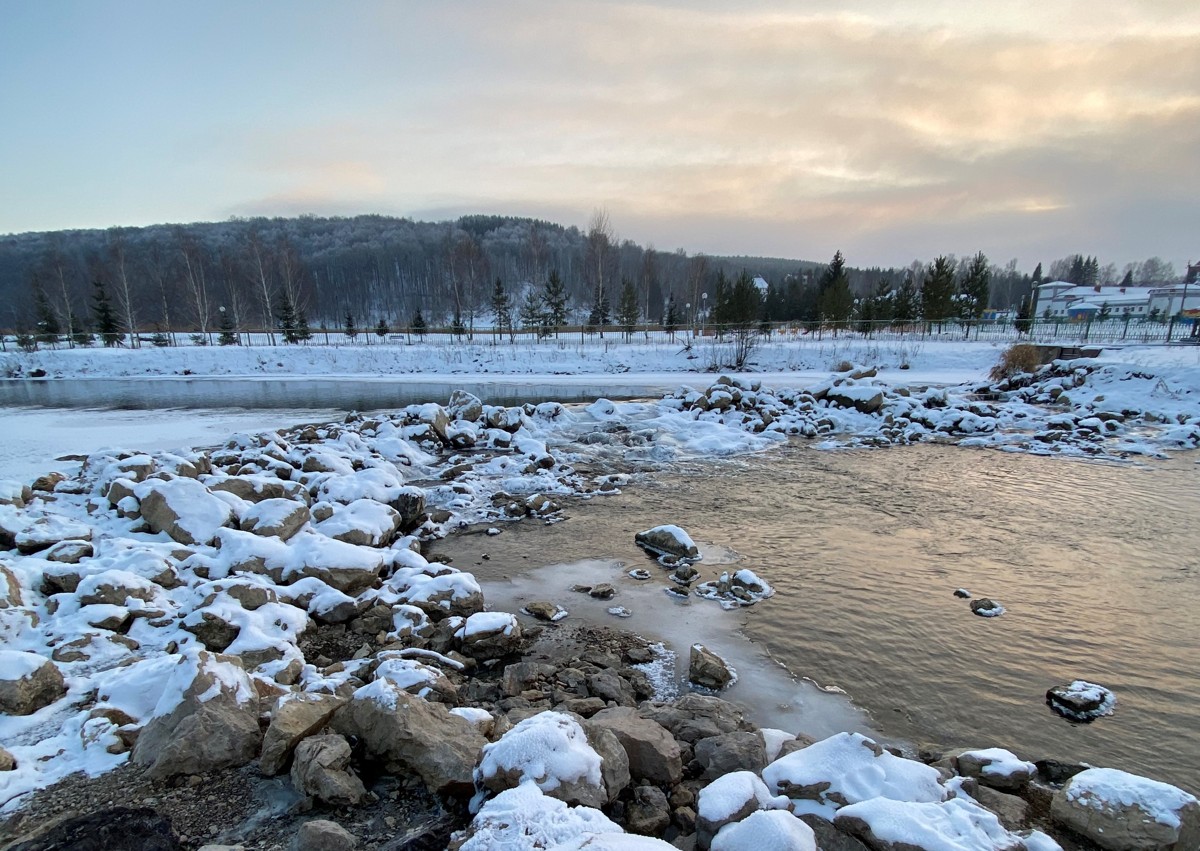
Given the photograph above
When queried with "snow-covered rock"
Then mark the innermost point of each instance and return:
(708, 670)
(668, 540)
(997, 768)
(489, 635)
(275, 517)
(954, 825)
(28, 682)
(731, 798)
(552, 750)
(766, 830)
(847, 768)
(184, 509)
(1080, 700)
(1124, 812)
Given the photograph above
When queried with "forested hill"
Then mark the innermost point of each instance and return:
(373, 267)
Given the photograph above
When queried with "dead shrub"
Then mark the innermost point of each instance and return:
(1016, 359)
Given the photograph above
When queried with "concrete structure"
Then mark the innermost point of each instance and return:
(1066, 301)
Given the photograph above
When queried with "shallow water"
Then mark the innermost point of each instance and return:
(1098, 566)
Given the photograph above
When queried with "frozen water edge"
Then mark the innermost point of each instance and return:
(766, 690)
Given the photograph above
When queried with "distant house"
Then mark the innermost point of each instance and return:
(1064, 300)
(760, 284)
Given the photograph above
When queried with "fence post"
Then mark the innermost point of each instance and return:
(1170, 328)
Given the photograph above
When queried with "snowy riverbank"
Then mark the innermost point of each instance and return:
(299, 554)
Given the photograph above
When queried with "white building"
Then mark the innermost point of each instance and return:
(1064, 300)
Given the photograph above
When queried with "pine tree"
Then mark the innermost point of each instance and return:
(48, 329)
(227, 328)
(1024, 315)
(532, 316)
(836, 300)
(720, 309)
(303, 332)
(106, 319)
(670, 317)
(285, 318)
(975, 288)
(743, 309)
(457, 325)
(381, 330)
(501, 309)
(600, 314)
(904, 311)
(937, 292)
(348, 327)
(418, 324)
(1127, 281)
(1037, 275)
(555, 298)
(627, 311)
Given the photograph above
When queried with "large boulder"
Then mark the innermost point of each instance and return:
(278, 518)
(668, 540)
(552, 750)
(654, 755)
(1080, 700)
(490, 635)
(207, 718)
(323, 835)
(865, 400)
(697, 716)
(321, 769)
(728, 752)
(408, 734)
(766, 830)
(708, 670)
(997, 768)
(28, 682)
(184, 509)
(296, 716)
(885, 824)
(364, 523)
(730, 799)
(1118, 810)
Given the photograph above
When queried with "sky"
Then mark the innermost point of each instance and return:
(891, 131)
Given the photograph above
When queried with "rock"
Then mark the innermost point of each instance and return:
(323, 835)
(1056, 772)
(1081, 701)
(648, 813)
(44, 532)
(997, 768)
(614, 761)
(865, 400)
(7, 761)
(321, 769)
(10, 589)
(295, 718)
(28, 682)
(489, 635)
(214, 632)
(215, 724)
(962, 594)
(183, 509)
(603, 591)
(48, 482)
(259, 488)
(113, 829)
(986, 608)
(408, 734)
(465, 406)
(668, 540)
(69, 552)
(708, 670)
(829, 838)
(730, 799)
(553, 751)
(654, 755)
(955, 823)
(609, 685)
(15, 493)
(697, 716)
(279, 518)
(729, 752)
(767, 830)
(544, 610)
(1012, 811)
(1124, 812)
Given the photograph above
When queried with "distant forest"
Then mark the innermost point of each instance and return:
(381, 270)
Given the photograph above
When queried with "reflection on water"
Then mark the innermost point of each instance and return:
(1098, 566)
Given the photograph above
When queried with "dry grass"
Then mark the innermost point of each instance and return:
(1016, 359)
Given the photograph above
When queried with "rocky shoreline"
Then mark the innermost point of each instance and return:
(249, 642)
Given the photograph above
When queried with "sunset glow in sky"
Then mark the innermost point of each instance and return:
(892, 131)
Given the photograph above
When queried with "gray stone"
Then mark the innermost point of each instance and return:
(278, 518)
(1012, 811)
(662, 541)
(294, 719)
(975, 764)
(323, 835)
(707, 669)
(697, 716)
(185, 510)
(648, 813)
(321, 769)
(614, 761)
(609, 685)
(1127, 821)
(829, 838)
(654, 756)
(7, 761)
(408, 734)
(69, 552)
(729, 752)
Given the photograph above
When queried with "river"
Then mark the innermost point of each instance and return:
(1098, 566)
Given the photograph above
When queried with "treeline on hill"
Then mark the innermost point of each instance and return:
(379, 273)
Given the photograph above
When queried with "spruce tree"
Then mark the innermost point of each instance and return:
(976, 288)
(48, 329)
(1037, 275)
(285, 318)
(836, 300)
(418, 324)
(457, 325)
(904, 310)
(348, 327)
(381, 330)
(1024, 315)
(501, 309)
(303, 331)
(532, 316)
(937, 293)
(555, 298)
(227, 328)
(627, 311)
(1127, 281)
(600, 314)
(106, 319)
(670, 317)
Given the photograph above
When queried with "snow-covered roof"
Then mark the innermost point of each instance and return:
(761, 283)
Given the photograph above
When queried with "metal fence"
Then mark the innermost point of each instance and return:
(1122, 331)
